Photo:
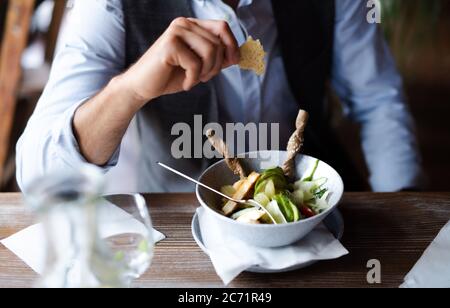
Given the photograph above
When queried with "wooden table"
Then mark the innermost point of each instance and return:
(393, 228)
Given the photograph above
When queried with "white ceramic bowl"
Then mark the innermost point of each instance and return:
(263, 235)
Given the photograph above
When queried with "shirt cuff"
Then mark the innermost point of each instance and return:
(67, 147)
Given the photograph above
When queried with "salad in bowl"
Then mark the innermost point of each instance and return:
(281, 200)
(321, 194)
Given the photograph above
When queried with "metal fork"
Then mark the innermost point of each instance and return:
(249, 202)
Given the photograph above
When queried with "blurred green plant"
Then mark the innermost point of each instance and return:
(412, 26)
(402, 15)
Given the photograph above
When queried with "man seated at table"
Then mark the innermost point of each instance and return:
(128, 71)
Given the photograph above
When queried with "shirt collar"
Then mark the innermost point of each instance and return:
(242, 2)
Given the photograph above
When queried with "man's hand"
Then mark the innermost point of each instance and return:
(189, 52)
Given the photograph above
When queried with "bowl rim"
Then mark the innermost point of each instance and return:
(322, 215)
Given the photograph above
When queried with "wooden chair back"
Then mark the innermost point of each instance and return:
(15, 36)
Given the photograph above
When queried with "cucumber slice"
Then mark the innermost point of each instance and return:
(281, 206)
(321, 204)
(270, 189)
(308, 196)
(248, 215)
(262, 199)
(276, 213)
(298, 197)
(289, 209)
(311, 186)
(276, 175)
(295, 211)
(304, 186)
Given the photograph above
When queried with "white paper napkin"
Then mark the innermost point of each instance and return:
(29, 244)
(231, 256)
(433, 268)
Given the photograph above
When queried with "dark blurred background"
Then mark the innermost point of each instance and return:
(417, 30)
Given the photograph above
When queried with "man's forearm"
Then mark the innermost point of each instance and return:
(100, 123)
(189, 52)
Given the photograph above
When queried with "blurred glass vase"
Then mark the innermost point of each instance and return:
(67, 205)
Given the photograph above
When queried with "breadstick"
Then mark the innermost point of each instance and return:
(222, 149)
(295, 144)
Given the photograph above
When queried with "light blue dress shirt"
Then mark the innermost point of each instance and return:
(92, 52)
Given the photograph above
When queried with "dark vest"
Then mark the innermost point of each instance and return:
(306, 32)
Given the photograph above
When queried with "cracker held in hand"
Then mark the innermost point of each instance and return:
(252, 56)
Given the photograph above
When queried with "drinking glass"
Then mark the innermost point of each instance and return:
(128, 233)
